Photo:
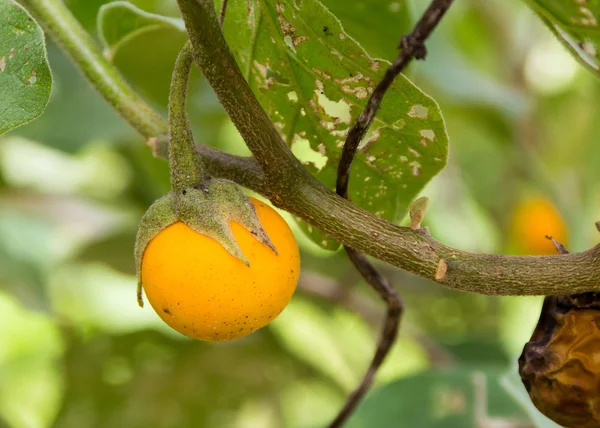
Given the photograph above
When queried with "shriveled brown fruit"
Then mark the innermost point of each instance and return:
(560, 365)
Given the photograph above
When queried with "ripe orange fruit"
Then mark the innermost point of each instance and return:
(201, 290)
(532, 220)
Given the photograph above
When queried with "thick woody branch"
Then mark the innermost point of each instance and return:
(297, 192)
(212, 55)
(412, 46)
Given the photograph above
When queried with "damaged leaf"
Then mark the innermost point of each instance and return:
(575, 24)
(25, 79)
(313, 80)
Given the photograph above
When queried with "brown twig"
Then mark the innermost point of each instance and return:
(330, 290)
(412, 46)
(388, 334)
(293, 189)
(560, 248)
(223, 12)
(278, 175)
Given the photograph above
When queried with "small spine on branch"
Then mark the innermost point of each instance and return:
(560, 248)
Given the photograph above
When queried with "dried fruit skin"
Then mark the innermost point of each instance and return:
(202, 291)
(560, 365)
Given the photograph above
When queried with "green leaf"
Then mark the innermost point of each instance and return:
(576, 25)
(457, 398)
(313, 80)
(121, 21)
(25, 79)
(392, 18)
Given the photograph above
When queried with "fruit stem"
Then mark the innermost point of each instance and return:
(187, 170)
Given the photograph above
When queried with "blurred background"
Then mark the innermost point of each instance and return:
(77, 351)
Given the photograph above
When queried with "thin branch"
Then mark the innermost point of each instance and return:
(560, 248)
(412, 47)
(294, 190)
(329, 290)
(388, 334)
(223, 12)
(243, 170)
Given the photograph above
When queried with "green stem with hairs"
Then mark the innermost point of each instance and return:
(186, 166)
(215, 60)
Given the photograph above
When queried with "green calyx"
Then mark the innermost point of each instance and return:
(209, 212)
(204, 204)
(159, 216)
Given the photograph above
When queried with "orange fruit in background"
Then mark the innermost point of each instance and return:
(198, 288)
(533, 219)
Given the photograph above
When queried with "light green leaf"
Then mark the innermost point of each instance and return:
(313, 80)
(576, 25)
(121, 21)
(25, 79)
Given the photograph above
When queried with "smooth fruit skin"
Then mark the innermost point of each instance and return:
(202, 291)
(532, 220)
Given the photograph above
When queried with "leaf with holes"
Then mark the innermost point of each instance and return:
(314, 80)
(576, 24)
(121, 21)
(25, 79)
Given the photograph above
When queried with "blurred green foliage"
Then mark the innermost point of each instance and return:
(75, 350)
